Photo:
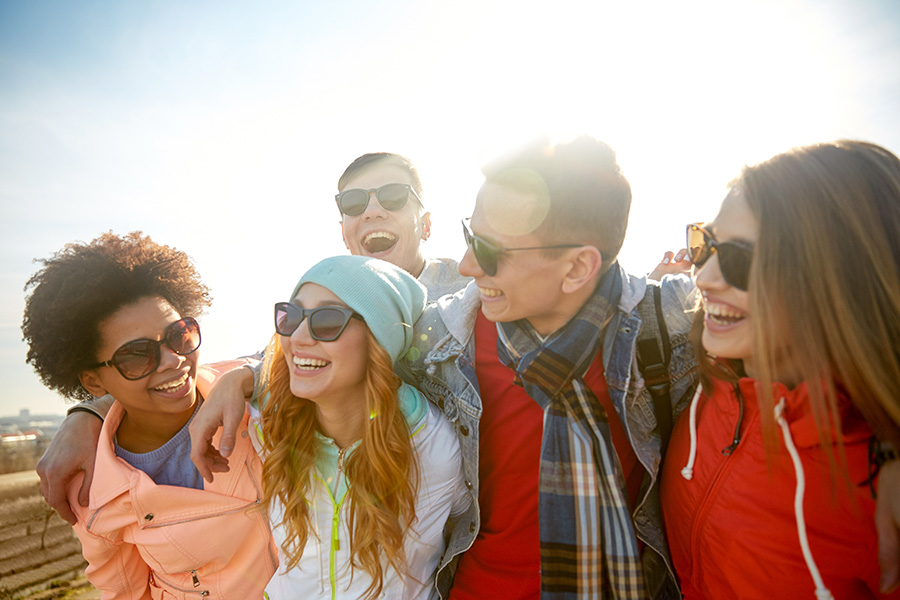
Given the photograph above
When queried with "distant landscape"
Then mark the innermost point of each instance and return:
(23, 439)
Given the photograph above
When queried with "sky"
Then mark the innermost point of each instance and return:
(221, 128)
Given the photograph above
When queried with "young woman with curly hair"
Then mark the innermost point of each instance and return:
(116, 317)
(360, 472)
(769, 482)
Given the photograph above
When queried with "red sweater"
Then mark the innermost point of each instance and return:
(732, 529)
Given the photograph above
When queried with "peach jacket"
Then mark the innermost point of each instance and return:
(143, 540)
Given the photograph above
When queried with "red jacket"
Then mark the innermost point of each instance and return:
(732, 528)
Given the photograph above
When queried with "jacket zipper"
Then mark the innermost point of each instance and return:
(715, 484)
(195, 579)
(335, 525)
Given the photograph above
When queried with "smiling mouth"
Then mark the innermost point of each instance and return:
(490, 292)
(310, 364)
(172, 385)
(722, 316)
(379, 241)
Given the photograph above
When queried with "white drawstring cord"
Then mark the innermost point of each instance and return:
(688, 471)
(822, 592)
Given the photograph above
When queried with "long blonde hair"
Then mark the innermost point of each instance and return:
(382, 472)
(825, 280)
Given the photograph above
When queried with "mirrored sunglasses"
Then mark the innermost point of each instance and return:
(138, 358)
(488, 254)
(325, 323)
(735, 258)
(391, 196)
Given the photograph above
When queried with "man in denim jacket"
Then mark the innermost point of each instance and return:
(544, 235)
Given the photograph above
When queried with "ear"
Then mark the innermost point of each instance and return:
(90, 381)
(344, 237)
(583, 269)
(426, 226)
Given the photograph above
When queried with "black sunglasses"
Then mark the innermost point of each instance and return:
(138, 358)
(391, 196)
(735, 258)
(488, 254)
(325, 323)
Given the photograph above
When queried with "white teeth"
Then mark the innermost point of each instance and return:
(310, 363)
(379, 234)
(718, 310)
(490, 293)
(173, 385)
(723, 314)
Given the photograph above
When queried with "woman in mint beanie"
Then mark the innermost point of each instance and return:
(360, 474)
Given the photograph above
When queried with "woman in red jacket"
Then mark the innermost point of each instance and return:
(769, 483)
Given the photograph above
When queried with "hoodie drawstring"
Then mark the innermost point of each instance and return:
(822, 592)
(688, 471)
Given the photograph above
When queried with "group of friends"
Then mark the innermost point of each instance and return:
(532, 422)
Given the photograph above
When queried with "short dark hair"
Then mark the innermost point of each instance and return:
(370, 159)
(589, 196)
(83, 284)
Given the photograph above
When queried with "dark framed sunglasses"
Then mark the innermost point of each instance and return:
(487, 254)
(325, 323)
(735, 258)
(391, 196)
(138, 358)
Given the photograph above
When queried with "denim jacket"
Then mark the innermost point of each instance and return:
(441, 364)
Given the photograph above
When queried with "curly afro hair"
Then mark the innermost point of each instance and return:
(83, 284)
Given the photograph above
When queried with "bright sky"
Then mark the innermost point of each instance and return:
(221, 128)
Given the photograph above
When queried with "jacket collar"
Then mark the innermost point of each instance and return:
(114, 480)
(459, 311)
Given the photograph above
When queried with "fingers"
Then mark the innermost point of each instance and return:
(231, 421)
(58, 501)
(667, 257)
(84, 496)
(886, 523)
(202, 450)
(888, 550)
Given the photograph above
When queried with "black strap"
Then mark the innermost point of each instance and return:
(654, 352)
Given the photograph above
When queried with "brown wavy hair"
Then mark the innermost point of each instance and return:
(825, 281)
(83, 284)
(382, 473)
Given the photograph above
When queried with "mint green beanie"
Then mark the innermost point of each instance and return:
(388, 298)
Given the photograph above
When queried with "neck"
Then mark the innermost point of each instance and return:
(342, 423)
(421, 267)
(145, 432)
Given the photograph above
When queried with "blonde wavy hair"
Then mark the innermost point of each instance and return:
(825, 281)
(382, 473)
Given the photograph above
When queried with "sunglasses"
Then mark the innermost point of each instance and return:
(391, 196)
(325, 323)
(488, 254)
(735, 258)
(138, 358)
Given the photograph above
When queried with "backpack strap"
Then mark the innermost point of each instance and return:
(653, 353)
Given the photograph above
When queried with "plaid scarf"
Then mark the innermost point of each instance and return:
(588, 544)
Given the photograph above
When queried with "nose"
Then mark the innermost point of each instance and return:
(169, 359)
(468, 266)
(374, 210)
(301, 335)
(709, 276)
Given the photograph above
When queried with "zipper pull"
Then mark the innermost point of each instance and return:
(194, 578)
(335, 532)
(736, 438)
